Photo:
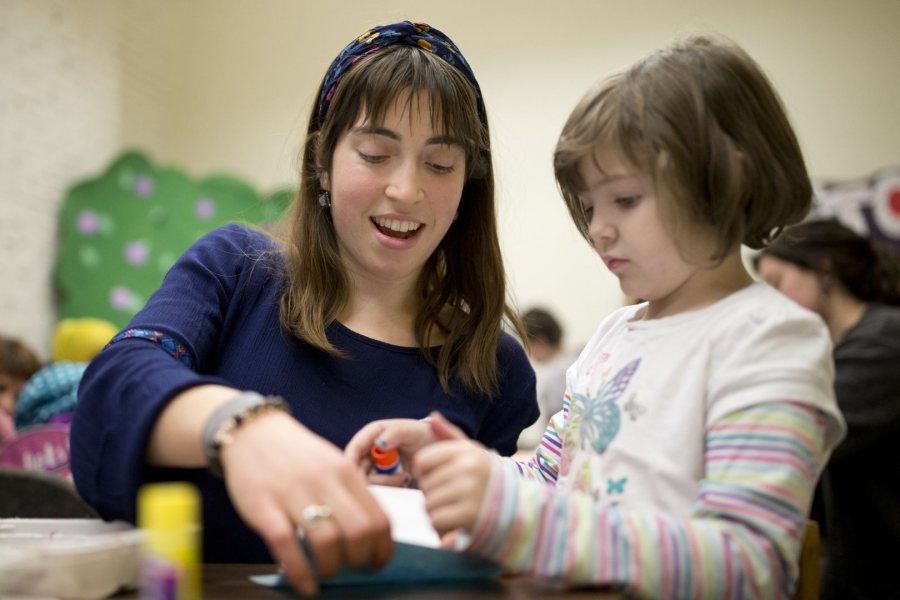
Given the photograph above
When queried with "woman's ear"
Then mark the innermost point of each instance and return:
(321, 172)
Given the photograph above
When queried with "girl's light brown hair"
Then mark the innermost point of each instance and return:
(703, 121)
(463, 284)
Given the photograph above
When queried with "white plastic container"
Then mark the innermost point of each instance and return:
(83, 558)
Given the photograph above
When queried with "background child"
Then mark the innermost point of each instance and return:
(695, 424)
(37, 401)
(854, 285)
(18, 362)
(551, 358)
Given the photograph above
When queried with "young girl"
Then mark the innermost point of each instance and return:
(260, 358)
(18, 363)
(695, 424)
(854, 285)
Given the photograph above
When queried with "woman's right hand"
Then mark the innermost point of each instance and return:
(275, 468)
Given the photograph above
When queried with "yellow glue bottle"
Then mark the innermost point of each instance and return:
(169, 515)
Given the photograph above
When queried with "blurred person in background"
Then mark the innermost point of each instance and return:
(854, 285)
(551, 360)
(18, 362)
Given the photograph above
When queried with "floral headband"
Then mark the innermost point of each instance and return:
(420, 35)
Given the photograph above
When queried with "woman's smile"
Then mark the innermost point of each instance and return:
(402, 229)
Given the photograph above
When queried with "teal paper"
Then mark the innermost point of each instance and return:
(409, 564)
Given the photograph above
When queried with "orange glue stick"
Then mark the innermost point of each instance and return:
(385, 461)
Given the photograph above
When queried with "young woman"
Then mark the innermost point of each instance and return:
(261, 357)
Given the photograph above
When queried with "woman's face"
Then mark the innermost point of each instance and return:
(395, 190)
(800, 285)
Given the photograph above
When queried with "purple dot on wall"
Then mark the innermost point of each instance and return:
(205, 208)
(88, 222)
(143, 185)
(121, 298)
(136, 253)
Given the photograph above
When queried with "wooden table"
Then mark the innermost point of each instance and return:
(231, 582)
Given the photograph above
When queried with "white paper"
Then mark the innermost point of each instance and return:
(406, 510)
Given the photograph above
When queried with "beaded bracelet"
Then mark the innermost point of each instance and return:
(221, 424)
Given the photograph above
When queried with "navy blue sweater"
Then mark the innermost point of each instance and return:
(215, 319)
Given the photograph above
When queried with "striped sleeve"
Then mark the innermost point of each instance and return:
(544, 465)
(742, 539)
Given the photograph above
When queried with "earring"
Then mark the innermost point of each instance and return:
(324, 199)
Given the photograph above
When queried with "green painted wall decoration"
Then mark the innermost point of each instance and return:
(122, 231)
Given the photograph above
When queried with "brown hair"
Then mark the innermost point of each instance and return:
(17, 360)
(463, 283)
(540, 324)
(868, 270)
(700, 118)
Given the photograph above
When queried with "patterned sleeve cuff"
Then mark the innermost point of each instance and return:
(498, 509)
(166, 342)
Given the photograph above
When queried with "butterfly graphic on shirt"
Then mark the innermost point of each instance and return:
(592, 423)
(616, 486)
(594, 420)
(633, 408)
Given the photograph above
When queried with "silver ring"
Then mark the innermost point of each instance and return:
(313, 515)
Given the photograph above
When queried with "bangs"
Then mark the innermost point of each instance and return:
(608, 116)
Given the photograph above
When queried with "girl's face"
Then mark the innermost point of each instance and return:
(627, 230)
(800, 285)
(395, 189)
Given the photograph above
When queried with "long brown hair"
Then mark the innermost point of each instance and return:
(463, 284)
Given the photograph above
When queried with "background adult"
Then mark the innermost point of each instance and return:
(855, 286)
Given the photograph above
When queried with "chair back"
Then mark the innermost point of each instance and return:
(808, 579)
(35, 495)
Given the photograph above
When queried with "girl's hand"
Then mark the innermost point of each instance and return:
(405, 435)
(453, 474)
(275, 470)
